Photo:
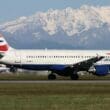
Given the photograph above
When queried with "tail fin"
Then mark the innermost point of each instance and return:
(4, 47)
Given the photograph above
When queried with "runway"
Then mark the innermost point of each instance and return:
(57, 82)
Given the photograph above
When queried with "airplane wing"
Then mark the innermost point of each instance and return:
(80, 66)
(86, 64)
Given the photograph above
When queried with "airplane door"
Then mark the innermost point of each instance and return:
(18, 57)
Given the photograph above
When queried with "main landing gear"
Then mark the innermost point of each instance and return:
(51, 76)
(74, 75)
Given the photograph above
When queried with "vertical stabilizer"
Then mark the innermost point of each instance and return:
(4, 47)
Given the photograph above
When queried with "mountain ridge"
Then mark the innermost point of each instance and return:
(87, 27)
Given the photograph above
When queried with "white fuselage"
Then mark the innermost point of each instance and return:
(53, 57)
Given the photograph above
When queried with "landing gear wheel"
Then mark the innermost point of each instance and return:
(51, 77)
(74, 77)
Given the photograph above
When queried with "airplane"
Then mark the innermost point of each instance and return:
(58, 62)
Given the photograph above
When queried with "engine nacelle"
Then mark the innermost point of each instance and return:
(102, 70)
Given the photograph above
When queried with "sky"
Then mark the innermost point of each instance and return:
(12, 9)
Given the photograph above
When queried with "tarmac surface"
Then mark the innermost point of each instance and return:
(58, 81)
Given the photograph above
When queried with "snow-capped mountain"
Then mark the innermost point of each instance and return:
(85, 28)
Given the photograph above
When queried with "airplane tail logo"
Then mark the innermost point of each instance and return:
(4, 47)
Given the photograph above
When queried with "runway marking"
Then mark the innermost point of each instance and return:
(59, 82)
